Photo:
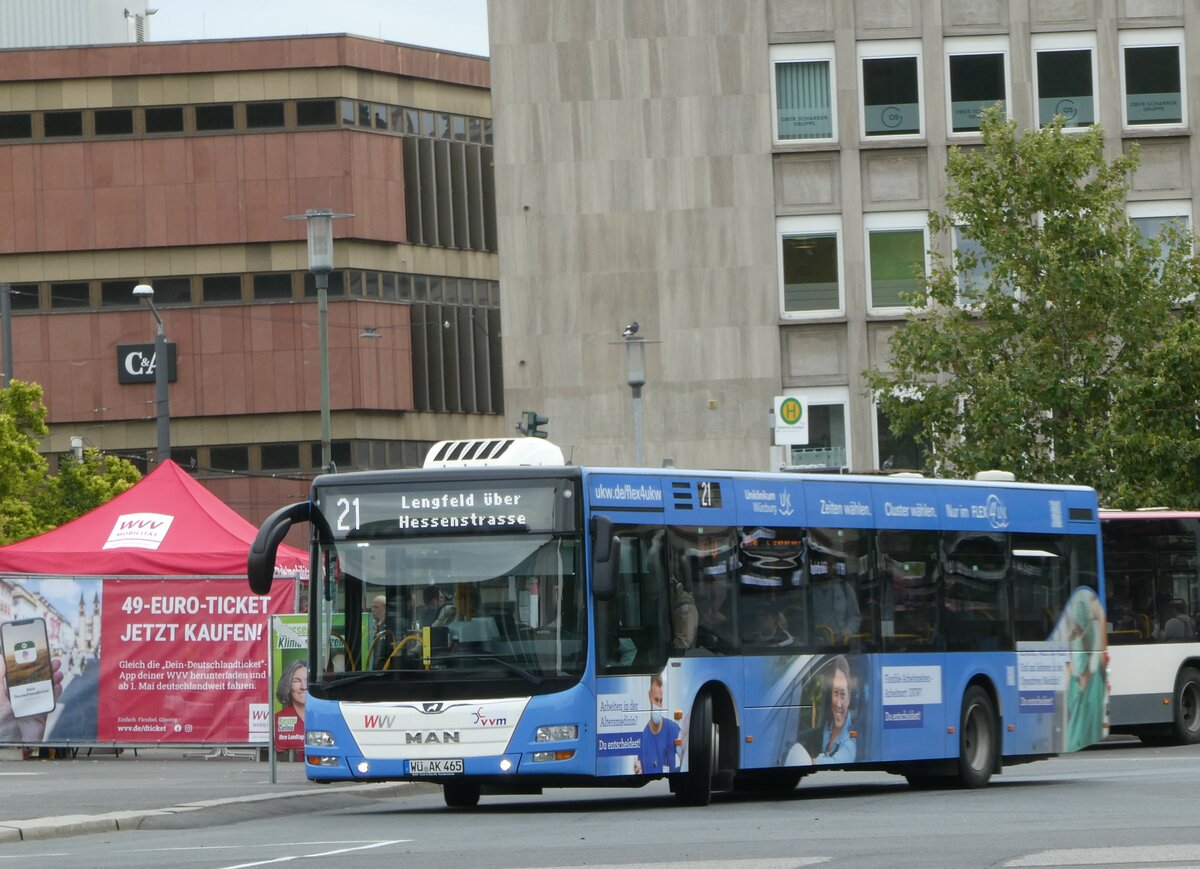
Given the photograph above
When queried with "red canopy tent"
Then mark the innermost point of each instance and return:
(165, 525)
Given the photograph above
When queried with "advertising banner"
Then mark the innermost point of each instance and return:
(147, 661)
(289, 650)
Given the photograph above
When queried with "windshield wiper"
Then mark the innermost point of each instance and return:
(532, 678)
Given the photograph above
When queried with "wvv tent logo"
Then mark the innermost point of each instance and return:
(139, 531)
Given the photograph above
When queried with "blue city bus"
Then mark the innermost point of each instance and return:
(499, 621)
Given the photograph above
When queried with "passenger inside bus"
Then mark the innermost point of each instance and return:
(1180, 625)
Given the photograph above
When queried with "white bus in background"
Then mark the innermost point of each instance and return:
(1152, 578)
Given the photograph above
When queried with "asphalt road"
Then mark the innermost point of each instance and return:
(1121, 805)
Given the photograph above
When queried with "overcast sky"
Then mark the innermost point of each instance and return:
(454, 25)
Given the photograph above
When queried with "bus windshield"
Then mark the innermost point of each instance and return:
(448, 609)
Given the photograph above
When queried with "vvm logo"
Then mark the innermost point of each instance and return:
(478, 717)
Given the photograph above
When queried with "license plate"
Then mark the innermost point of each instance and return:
(445, 766)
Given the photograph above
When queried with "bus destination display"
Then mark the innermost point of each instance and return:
(478, 508)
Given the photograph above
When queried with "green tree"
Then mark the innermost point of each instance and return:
(84, 483)
(1073, 359)
(31, 499)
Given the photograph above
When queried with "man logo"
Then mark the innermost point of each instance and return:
(431, 708)
(430, 737)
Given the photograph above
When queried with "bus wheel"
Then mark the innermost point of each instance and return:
(695, 785)
(978, 740)
(461, 794)
(1187, 707)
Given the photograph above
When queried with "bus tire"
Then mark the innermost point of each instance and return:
(978, 739)
(1187, 707)
(461, 794)
(694, 787)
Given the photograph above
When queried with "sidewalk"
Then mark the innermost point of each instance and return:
(158, 787)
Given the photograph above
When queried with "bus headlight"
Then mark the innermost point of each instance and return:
(557, 732)
(319, 738)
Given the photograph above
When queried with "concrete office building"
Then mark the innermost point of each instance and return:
(750, 180)
(175, 164)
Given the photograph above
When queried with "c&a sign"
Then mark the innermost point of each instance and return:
(135, 363)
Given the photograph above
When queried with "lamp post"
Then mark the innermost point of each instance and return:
(6, 318)
(635, 367)
(320, 263)
(161, 373)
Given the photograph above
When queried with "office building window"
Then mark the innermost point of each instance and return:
(891, 88)
(896, 452)
(63, 124)
(341, 453)
(276, 285)
(280, 457)
(337, 285)
(23, 297)
(70, 295)
(977, 70)
(16, 126)
(1151, 72)
(186, 457)
(119, 294)
(114, 122)
(804, 88)
(261, 116)
(810, 255)
(1064, 79)
(172, 291)
(1152, 218)
(215, 117)
(222, 288)
(316, 113)
(828, 446)
(970, 268)
(234, 458)
(896, 258)
(167, 119)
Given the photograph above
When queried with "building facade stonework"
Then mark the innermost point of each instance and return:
(751, 180)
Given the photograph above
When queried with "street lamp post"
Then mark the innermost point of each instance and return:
(320, 263)
(6, 318)
(162, 411)
(635, 366)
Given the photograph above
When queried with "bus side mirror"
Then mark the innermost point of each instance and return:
(260, 562)
(606, 558)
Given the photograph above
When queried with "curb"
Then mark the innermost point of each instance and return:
(61, 826)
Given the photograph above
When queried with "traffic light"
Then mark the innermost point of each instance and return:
(530, 422)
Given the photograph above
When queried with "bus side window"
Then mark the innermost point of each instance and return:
(634, 623)
(704, 562)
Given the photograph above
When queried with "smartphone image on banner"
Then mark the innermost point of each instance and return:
(27, 671)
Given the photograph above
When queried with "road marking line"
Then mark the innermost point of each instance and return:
(277, 845)
(1143, 854)
(318, 855)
